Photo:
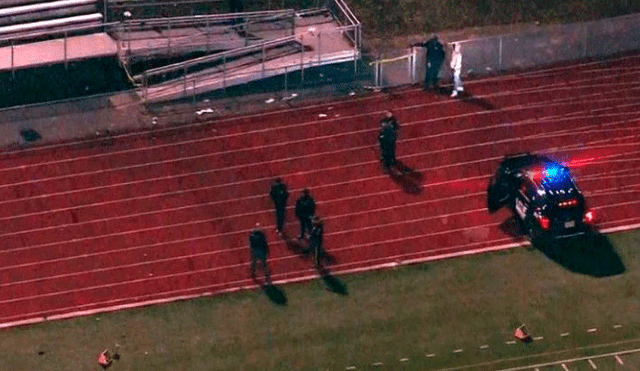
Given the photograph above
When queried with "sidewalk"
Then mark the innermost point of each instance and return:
(102, 116)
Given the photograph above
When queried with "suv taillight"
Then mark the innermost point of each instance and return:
(544, 221)
(589, 217)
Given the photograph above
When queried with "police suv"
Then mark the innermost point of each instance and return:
(542, 195)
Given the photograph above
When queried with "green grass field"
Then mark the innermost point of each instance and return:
(410, 318)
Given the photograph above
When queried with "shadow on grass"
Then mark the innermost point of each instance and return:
(275, 294)
(591, 254)
(304, 252)
(334, 285)
(407, 178)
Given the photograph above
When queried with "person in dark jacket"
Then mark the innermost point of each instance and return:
(387, 140)
(279, 195)
(259, 253)
(315, 241)
(305, 210)
(435, 58)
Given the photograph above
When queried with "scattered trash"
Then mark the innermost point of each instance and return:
(203, 111)
(352, 93)
(293, 95)
(270, 100)
(105, 359)
(522, 334)
(154, 120)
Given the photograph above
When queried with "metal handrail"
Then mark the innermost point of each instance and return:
(211, 58)
(141, 24)
(60, 31)
(347, 11)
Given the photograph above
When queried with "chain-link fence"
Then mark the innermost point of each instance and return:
(544, 46)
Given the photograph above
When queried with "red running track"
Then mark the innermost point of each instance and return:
(156, 216)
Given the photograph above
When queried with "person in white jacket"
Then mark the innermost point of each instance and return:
(456, 68)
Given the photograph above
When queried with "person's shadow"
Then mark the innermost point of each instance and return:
(301, 249)
(466, 97)
(275, 294)
(407, 178)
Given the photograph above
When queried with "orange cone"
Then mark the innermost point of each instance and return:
(522, 333)
(104, 359)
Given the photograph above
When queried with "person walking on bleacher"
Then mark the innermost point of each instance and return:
(259, 253)
(305, 210)
(279, 195)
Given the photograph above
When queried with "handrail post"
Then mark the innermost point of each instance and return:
(264, 59)
(13, 69)
(65, 50)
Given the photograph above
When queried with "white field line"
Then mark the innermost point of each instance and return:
(555, 363)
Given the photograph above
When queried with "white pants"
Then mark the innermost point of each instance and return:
(457, 81)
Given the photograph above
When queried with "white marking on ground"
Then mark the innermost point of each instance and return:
(592, 330)
(538, 338)
(564, 367)
(404, 359)
(484, 346)
(593, 365)
(564, 334)
(458, 351)
(618, 359)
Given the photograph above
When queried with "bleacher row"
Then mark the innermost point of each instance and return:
(19, 17)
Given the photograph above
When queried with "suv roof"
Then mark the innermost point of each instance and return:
(543, 172)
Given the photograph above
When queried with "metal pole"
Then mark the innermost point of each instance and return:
(65, 50)
(285, 79)
(500, 55)
(13, 70)
(319, 47)
(207, 30)
(302, 64)
(105, 11)
(585, 34)
(169, 31)
(224, 73)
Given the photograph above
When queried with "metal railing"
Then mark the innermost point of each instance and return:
(222, 57)
(129, 32)
(283, 78)
(532, 48)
